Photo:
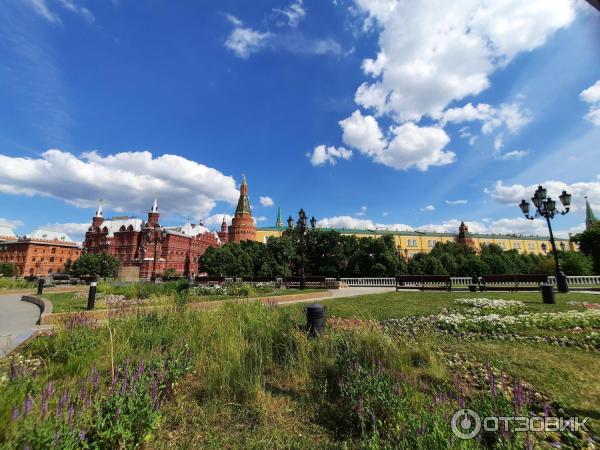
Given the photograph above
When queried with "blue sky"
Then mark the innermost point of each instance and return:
(367, 113)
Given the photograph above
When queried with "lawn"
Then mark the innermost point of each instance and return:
(399, 304)
(11, 283)
(246, 375)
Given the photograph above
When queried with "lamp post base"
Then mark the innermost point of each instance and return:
(561, 282)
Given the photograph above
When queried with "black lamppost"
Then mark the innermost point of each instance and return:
(301, 229)
(155, 236)
(546, 207)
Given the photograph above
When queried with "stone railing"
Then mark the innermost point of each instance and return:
(579, 280)
(456, 281)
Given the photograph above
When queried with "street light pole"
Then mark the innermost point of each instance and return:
(156, 238)
(546, 207)
(301, 229)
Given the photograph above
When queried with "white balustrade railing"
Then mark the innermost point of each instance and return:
(579, 279)
(456, 281)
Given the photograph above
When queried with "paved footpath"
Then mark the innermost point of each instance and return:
(341, 293)
(17, 321)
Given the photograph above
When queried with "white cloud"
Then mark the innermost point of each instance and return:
(322, 155)
(512, 155)
(456, 202)
(259, 219)
(498, 143)
(591, 95)
(126, 181)
(71, 5)
(409, 145)
(428, 208)
(216, 220)
(414, 146)
(512, 194)
(245, 41)
(468, 113)
(432, 53)
(42, 9)
(511, 115)
(363, 133)
(75, 231)
(266, 201)
(346, 222)
(362, 212)
(293, 14)
(11, 223)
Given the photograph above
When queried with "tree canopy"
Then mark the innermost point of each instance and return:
(98, 264)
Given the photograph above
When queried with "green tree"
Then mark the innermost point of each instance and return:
(8, 269)
(576, 263)
(589, 244)
(98, 264)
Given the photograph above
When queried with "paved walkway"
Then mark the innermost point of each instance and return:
(17, 321)
(341, 293)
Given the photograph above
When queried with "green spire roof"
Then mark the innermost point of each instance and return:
(279, 222)
(590, 218)
(243, 206)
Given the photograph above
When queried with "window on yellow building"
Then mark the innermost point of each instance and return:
(517, 245)
(531, 246)
(431, 243)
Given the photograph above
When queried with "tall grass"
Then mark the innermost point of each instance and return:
(366, 390)
(11, 283)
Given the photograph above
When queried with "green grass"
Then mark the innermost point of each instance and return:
(401, 304)
(70, 302)
(572, 377)
(11, 283)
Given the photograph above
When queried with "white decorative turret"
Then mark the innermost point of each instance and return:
(99, 211)
(155, 205)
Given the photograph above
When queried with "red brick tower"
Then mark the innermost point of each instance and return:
(464, 237)
(223, 233)
(153, 214)
(242, 225)
(98, 219)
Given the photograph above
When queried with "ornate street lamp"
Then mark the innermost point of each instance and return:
(301, 229)
(155, 236)
(546, 207)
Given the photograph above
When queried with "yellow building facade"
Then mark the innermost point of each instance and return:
(410, 243)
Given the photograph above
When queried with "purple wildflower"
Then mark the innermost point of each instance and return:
(27, 405)
(82, 435)
(15, 413)
(491, 379)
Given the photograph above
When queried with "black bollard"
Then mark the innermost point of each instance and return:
(92, 296)
(315, 319)
(41, 282)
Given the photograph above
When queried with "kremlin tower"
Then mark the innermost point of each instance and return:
(242, 225)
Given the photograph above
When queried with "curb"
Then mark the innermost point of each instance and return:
(43, 303)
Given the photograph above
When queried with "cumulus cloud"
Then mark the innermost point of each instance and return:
(409, 145)
(591, 95)
(11, 223)
(266, 201)
(511, 115)
(351, 222)
(456, 202)
(214, 221)
(433, 53)
(512, 194)
(76, 231)
(428, 208)
(126, 181)
(323, 155)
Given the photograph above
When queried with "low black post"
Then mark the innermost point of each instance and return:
(547, 293)
(315, 319)
(92, 296)
(41, 282)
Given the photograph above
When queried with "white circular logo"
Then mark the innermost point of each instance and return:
(466, 424)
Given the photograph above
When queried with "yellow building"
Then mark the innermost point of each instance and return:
(411, 242)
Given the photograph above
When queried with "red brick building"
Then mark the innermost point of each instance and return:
(242, 226)
(149, 246)
(42, 253)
